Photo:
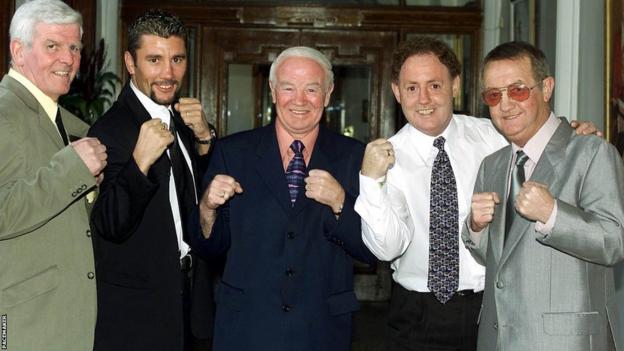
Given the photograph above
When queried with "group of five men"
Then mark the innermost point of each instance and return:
(291, 204)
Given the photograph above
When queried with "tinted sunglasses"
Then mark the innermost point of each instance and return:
(517, 92)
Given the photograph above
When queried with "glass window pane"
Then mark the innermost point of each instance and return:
(240, 98)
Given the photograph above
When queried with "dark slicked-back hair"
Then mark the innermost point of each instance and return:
(423, 46)
(517, 50)
(154, 22)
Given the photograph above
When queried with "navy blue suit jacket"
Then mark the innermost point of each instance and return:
(288, 278)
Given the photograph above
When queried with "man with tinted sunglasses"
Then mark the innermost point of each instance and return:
(415, 191)
(547, 218)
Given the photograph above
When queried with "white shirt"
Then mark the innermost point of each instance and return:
(159, 111)
(395, 213)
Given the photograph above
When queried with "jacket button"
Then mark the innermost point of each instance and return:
(286, 308)
(74, 194)
(290, 272)
(291, 235)
(90, 275)
(84, 187)
(88, 233)
(500, 284)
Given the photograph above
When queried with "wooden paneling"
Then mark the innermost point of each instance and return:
(5, 21)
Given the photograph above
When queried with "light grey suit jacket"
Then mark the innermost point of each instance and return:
(554, 292)
(47, 290)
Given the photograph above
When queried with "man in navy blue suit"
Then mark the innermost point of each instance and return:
(279, 202)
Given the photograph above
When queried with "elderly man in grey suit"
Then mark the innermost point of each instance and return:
(546, 218)
(47, 285)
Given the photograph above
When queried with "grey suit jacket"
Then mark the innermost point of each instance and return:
(554, 292)
(47, 290)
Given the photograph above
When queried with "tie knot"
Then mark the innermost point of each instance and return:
(521, 158)
(439, 143)
(297, 147)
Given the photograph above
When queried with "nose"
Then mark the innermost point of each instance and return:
(67, 56)
(423, 96)
(167, 72)
(300, 97)
(506, 103)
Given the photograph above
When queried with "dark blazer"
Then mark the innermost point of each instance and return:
(136, 250)
(288, 277)
(556, 291)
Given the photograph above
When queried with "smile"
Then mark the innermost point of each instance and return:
(425, 111)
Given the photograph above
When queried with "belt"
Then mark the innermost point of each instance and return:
(467, 292)
(186, 263)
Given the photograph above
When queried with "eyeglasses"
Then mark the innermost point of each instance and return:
(517, 91)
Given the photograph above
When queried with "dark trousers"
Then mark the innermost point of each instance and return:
(419, 322)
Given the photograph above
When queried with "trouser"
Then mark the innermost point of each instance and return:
(419, 322)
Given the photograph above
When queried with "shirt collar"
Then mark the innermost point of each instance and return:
(537, 144)
(423, 143)
(155, 110)
(284, 139)
(49, 106)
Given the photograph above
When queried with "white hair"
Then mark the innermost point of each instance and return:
(34, 12)
(307, 52)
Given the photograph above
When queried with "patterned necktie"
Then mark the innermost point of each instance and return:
(295, 171)
(516, 180)
(61, 127)
(182, 177)
(443, 279)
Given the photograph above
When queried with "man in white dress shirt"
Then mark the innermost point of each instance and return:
(439, 287)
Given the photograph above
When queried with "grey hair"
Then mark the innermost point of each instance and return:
(306, 52)
(31, 13)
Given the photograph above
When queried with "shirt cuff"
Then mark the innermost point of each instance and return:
(546, 228)
(474, 236)
(371, 189)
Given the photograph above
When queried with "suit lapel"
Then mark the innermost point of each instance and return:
(140, 116)
(43, 120)
(545, 172)
(269, 166)
(500, 187)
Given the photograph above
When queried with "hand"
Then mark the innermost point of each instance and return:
(585, 128)
(534, 202)
(324, 188)
(193, 115)
(221, 189)
(482, 210)
(93, 154)
(154, 137)
(378, 158)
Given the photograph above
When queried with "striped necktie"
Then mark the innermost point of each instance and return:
(295, 173)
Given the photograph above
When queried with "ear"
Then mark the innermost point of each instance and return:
(328, 95)
(456, 83)
(130, 66)
(548, 86)
(17, 52)
(273, 97)
(396, 91)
